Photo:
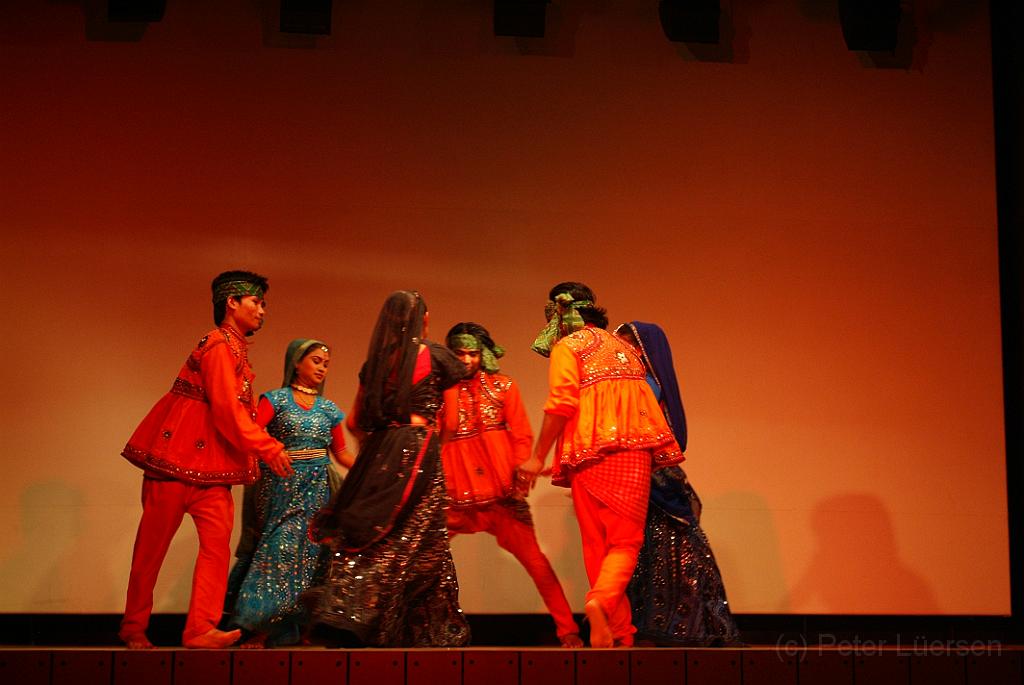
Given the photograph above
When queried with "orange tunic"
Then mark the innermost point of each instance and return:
(203, 430)
(491, 438)
(599, 383)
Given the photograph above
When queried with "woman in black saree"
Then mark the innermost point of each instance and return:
(676, 592)
(389, 580)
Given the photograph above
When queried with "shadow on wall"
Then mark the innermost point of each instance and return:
(918, 22)
(436, 22)
(563, 21)
(99, 28)
(47, 566)
(733, 46)
(856, 548)
(940, 15)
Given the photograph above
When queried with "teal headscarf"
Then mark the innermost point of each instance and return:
(296, 351)
(563, 320)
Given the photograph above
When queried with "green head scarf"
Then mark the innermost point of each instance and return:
(489, 356)
(296, 351)
(236, 289)
(563, 319)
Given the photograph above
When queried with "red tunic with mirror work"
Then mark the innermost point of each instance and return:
(203, 431)
(491, 436)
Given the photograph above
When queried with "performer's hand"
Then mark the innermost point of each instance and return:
(532, 466)
(522, 483)
(280, 464)
(526, 476)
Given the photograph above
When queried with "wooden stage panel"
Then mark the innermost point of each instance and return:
(1000, 668)
(82, 667)
(768, 667)
(149, 667)
(1002, 665)
(548, 667)
(202, 667)
(657, 666)
(261, 667)
(311, 667)
(882, 668)
(25, 668)
(602, 667)
(938, 669)
(825, 667)
(369, 667)
(490, 668)
(713, 667)
(430, 667)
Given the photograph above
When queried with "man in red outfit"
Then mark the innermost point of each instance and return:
(487, 436)
(196, 442)
(610, 433)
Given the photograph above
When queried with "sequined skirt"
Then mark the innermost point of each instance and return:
(267, 585)
(401, 591)
(676, 592)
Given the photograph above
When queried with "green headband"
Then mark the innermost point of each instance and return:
(563, 319)
(236, 289)
(488, 356)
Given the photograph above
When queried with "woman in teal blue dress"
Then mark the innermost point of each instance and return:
(276, 558)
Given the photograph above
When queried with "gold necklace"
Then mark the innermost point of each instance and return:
(304, 390)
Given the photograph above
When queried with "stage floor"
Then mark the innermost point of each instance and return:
(917, 664)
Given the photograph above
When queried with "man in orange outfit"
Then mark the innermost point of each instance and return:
(611, 433)
(198, 440)
(487, 435)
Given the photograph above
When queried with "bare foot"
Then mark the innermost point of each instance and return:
(214, 639)
(257, 641)
(600, 634)
(571, 641)
(136, 641)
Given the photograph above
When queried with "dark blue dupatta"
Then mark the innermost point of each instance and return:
(670, 490)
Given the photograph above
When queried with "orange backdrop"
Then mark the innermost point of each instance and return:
(815, 232)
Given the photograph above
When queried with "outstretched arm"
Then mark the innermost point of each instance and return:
(519, 430)
(232, 419)
(562, 403)
(552, 427)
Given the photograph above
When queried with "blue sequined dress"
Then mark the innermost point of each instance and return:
(676, 593)
(267, 583)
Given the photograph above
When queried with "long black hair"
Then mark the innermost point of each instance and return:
(386, 377)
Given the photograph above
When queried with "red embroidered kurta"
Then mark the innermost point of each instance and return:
(491, 437)
(203, 431)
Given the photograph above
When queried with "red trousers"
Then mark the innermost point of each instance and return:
(611, 543)
(164, 505)
(518, 538)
